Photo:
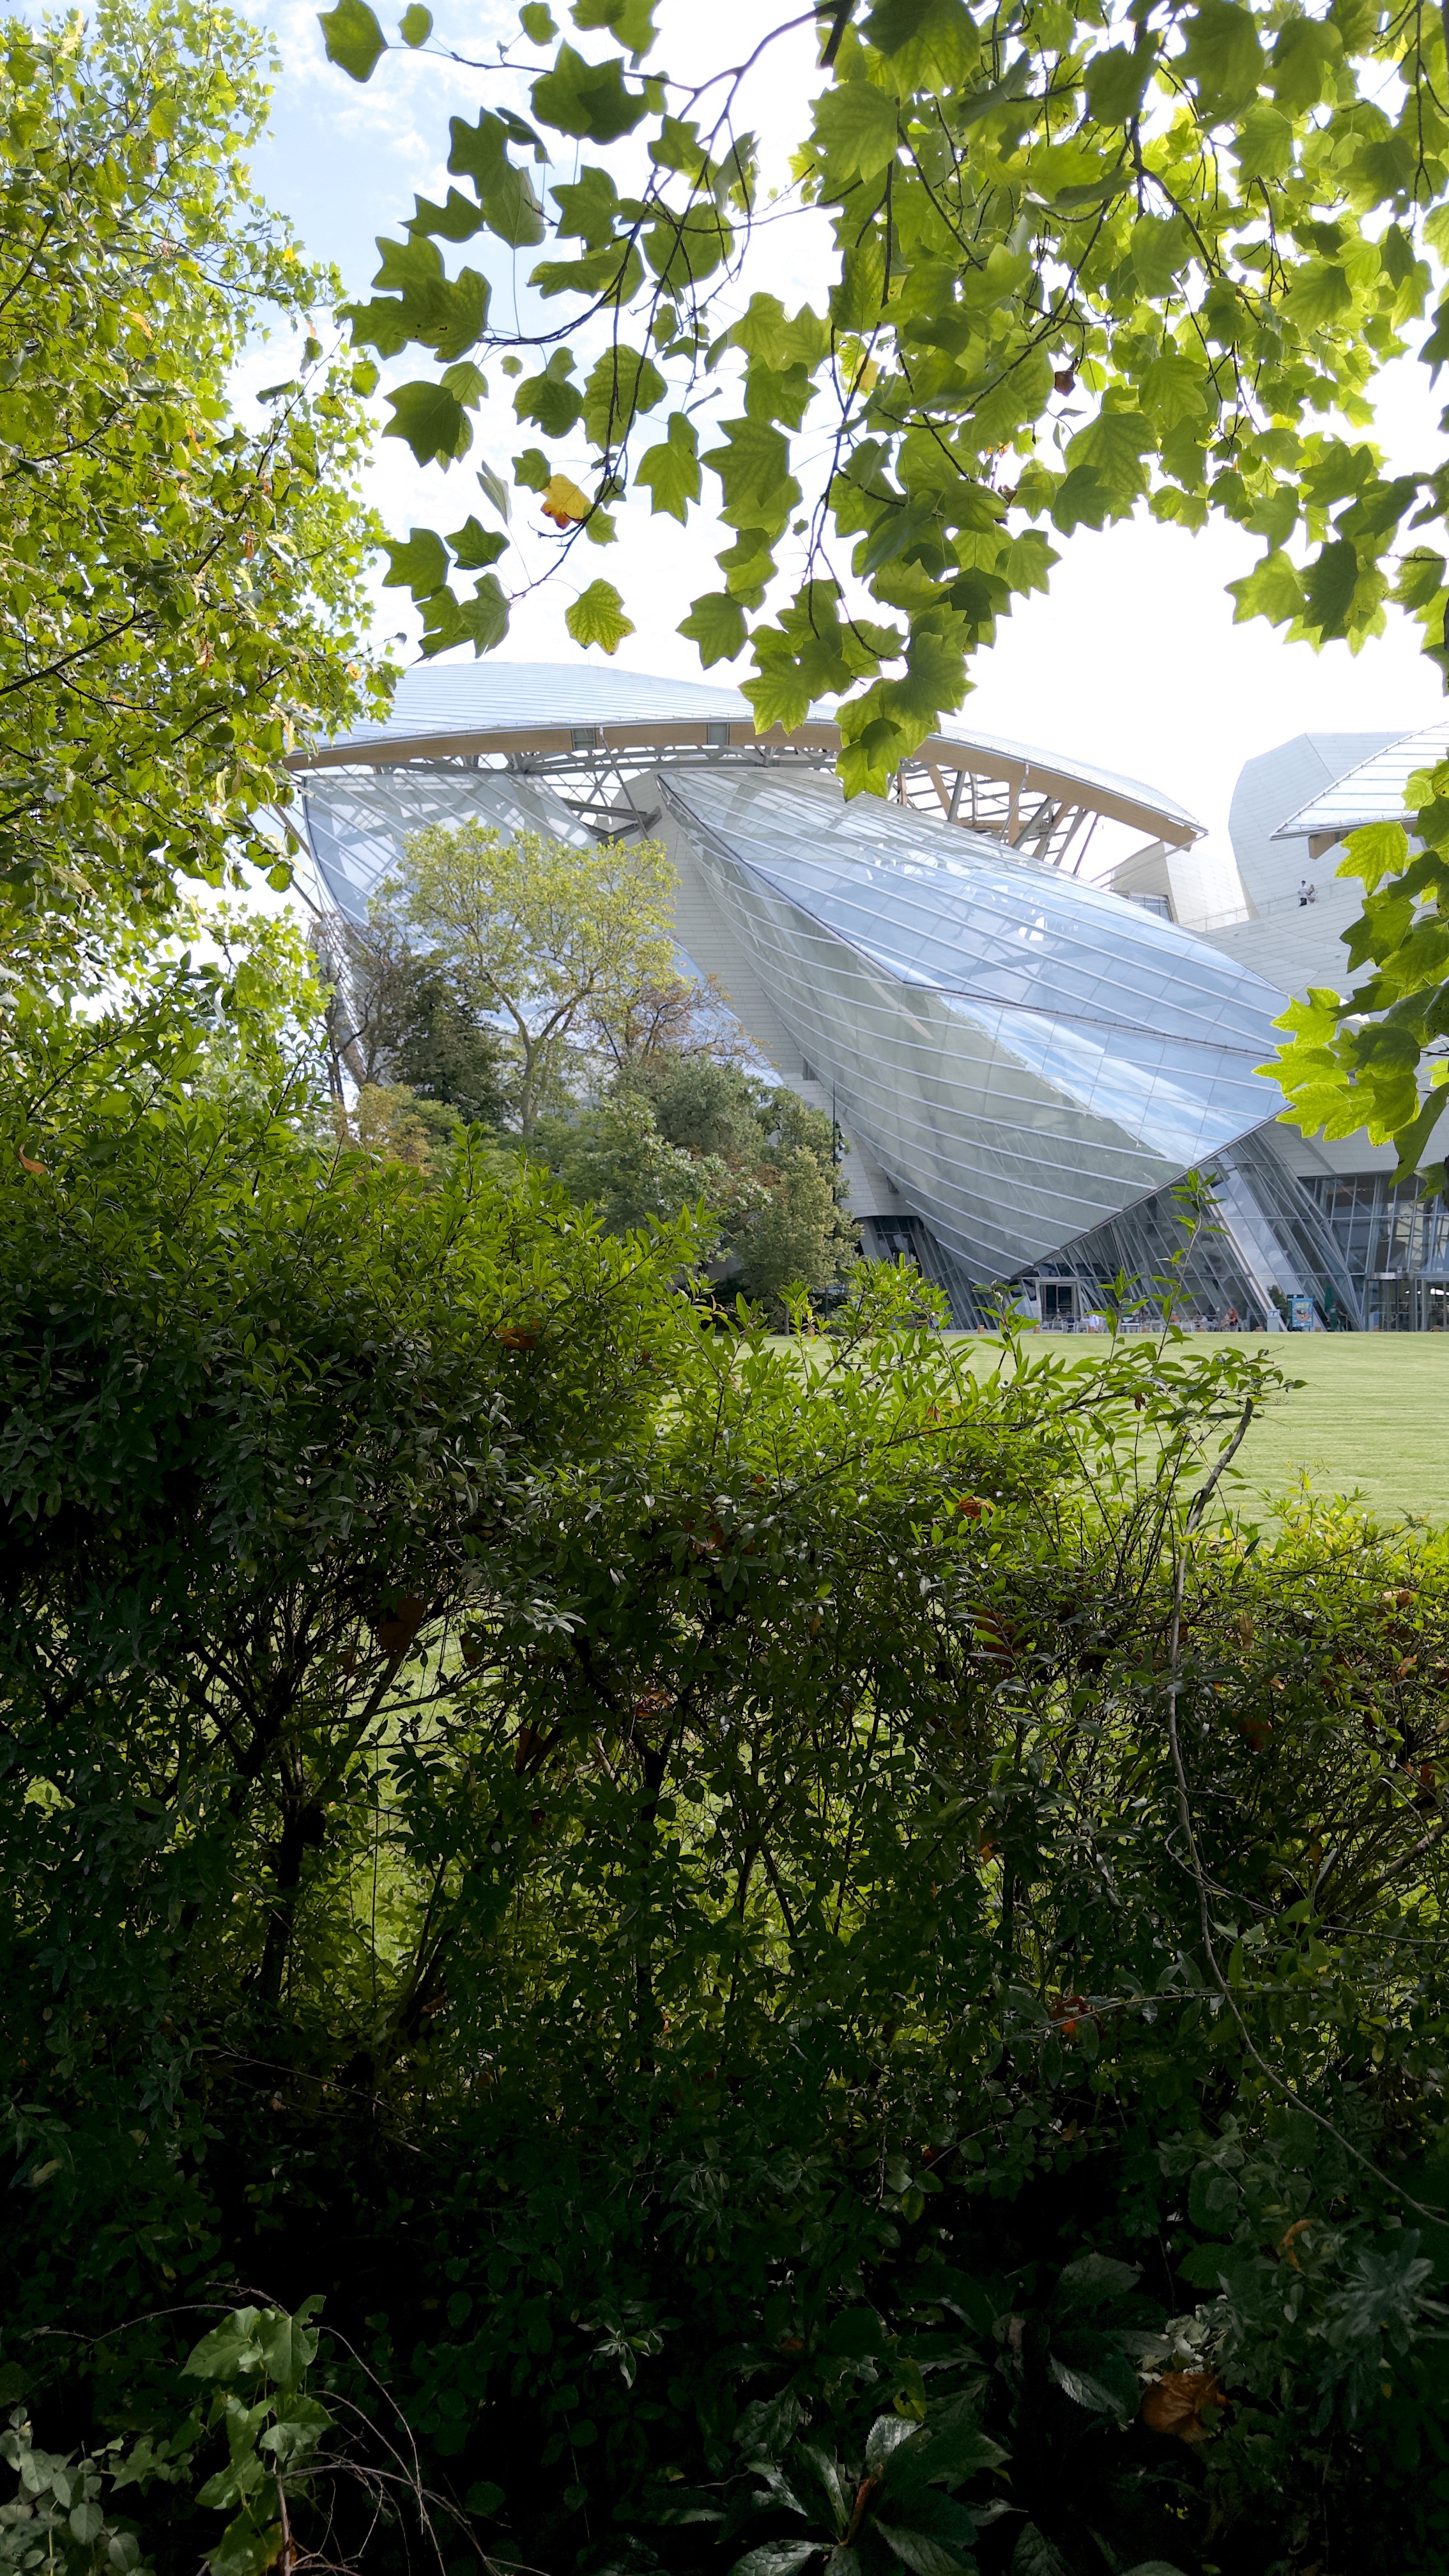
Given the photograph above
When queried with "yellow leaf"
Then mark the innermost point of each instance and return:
(563, 502)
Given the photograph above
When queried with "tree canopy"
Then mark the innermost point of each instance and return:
(179, 594)
(547, 938)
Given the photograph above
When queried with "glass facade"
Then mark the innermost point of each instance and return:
(1395, 1247)
(1026, 1055)
(356, 820)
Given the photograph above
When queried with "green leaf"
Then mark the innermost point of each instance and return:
(1096, 2280)
(1112, 447)
(496, 490)
(288, 2341)
(549, 398)
(381, 325)
(465, 383)
(620, 385)
(754, 472)
(1116, 81)
(1304, 61)
(505, 191)
(420, 565)
(474, 546)
(1264, 143)
(351, 37)
(685, 248)
(1087, 2390)
(242, 2476)
(670, 471)
(613, 273)
(632, 21)
(414, 265)
(485, 615)
(416, 24)
(537, 22)
(597, 617)
(481, 621)
(929, 44)
(1161, 248)
(354, 40)
(776, 2558)
(457, 221)
(230, 2351)
(300, 2424)
(716, 623)
(1174, 389)
(246, 2548)
(588, 206)
(1373, 852)
(1329, 583)
(1035, 2555)
(923, 2555)
(587, 99)
(779, 341)
(856, 131)
(1319, 295)
(1273, 589)
(438, 312)
(433, 422)
(886, 2436)
(86, 2522)
(1223, 58)
(532, 471)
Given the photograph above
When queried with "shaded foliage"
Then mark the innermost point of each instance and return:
(650, 1866)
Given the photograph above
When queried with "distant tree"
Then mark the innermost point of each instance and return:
(356, 966)
(393, 1124)
(799, 1238)
(616, 1159)
(664, 1018)
(396, 1017)
(437, 1043)
(537, 936)
(705, 1108)
(680, 1131)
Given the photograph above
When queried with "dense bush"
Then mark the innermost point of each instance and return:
(731, 1905)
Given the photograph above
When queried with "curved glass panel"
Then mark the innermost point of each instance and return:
(356, 821)
(1025, 1054)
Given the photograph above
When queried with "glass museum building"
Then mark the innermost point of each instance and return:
(1026, 996)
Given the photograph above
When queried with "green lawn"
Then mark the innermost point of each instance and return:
(1371, 1416)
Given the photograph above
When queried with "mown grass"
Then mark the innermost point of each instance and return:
(1371, 1417)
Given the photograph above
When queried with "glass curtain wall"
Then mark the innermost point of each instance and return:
(1395, 1245)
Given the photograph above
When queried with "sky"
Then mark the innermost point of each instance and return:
(1132, 661)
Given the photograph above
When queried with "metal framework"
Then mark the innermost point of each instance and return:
(1029, 800)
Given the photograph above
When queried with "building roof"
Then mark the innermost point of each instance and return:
(494, 708)
(1370, 792)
